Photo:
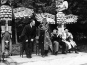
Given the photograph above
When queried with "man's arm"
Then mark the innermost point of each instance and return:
(23, 34)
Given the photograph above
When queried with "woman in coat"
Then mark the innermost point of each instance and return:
(44, 38)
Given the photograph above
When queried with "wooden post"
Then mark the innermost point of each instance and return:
(6, 25)
(16, 40)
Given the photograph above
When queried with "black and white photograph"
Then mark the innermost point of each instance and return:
(43, 32)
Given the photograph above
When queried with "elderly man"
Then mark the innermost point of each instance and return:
(29, 31)
(69, 39)
(55, 42)
(64, 39)
(61, 39)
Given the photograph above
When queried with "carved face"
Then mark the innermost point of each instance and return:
(44, 21)
(58, 2)
(6, 42)
(3, 1)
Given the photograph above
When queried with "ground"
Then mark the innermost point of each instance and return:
(60, 59)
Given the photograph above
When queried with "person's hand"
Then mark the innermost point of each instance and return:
(37, 37)
(26, 40)
(32, 39)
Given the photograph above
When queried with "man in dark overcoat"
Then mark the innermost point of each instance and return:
(29, 31)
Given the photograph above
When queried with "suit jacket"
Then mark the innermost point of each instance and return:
(28, 31)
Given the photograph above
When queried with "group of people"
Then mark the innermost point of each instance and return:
(46, 39)
(65, 39)
(27, 37)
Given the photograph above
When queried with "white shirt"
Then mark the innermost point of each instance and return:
(30, 25)
(64, 36)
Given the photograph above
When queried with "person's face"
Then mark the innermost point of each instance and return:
(54, 31)
(66, 31)
(33, 23)
(3, 1)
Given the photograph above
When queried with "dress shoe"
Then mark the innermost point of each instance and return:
(69, 51)
(46, 54)
(64, 52)
(29, 57)
(76, 52)
(56, 53)
(43, 56)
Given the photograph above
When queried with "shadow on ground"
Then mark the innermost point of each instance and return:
(84, 64)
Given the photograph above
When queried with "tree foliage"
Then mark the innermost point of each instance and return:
(50, 9)
(79, 7)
